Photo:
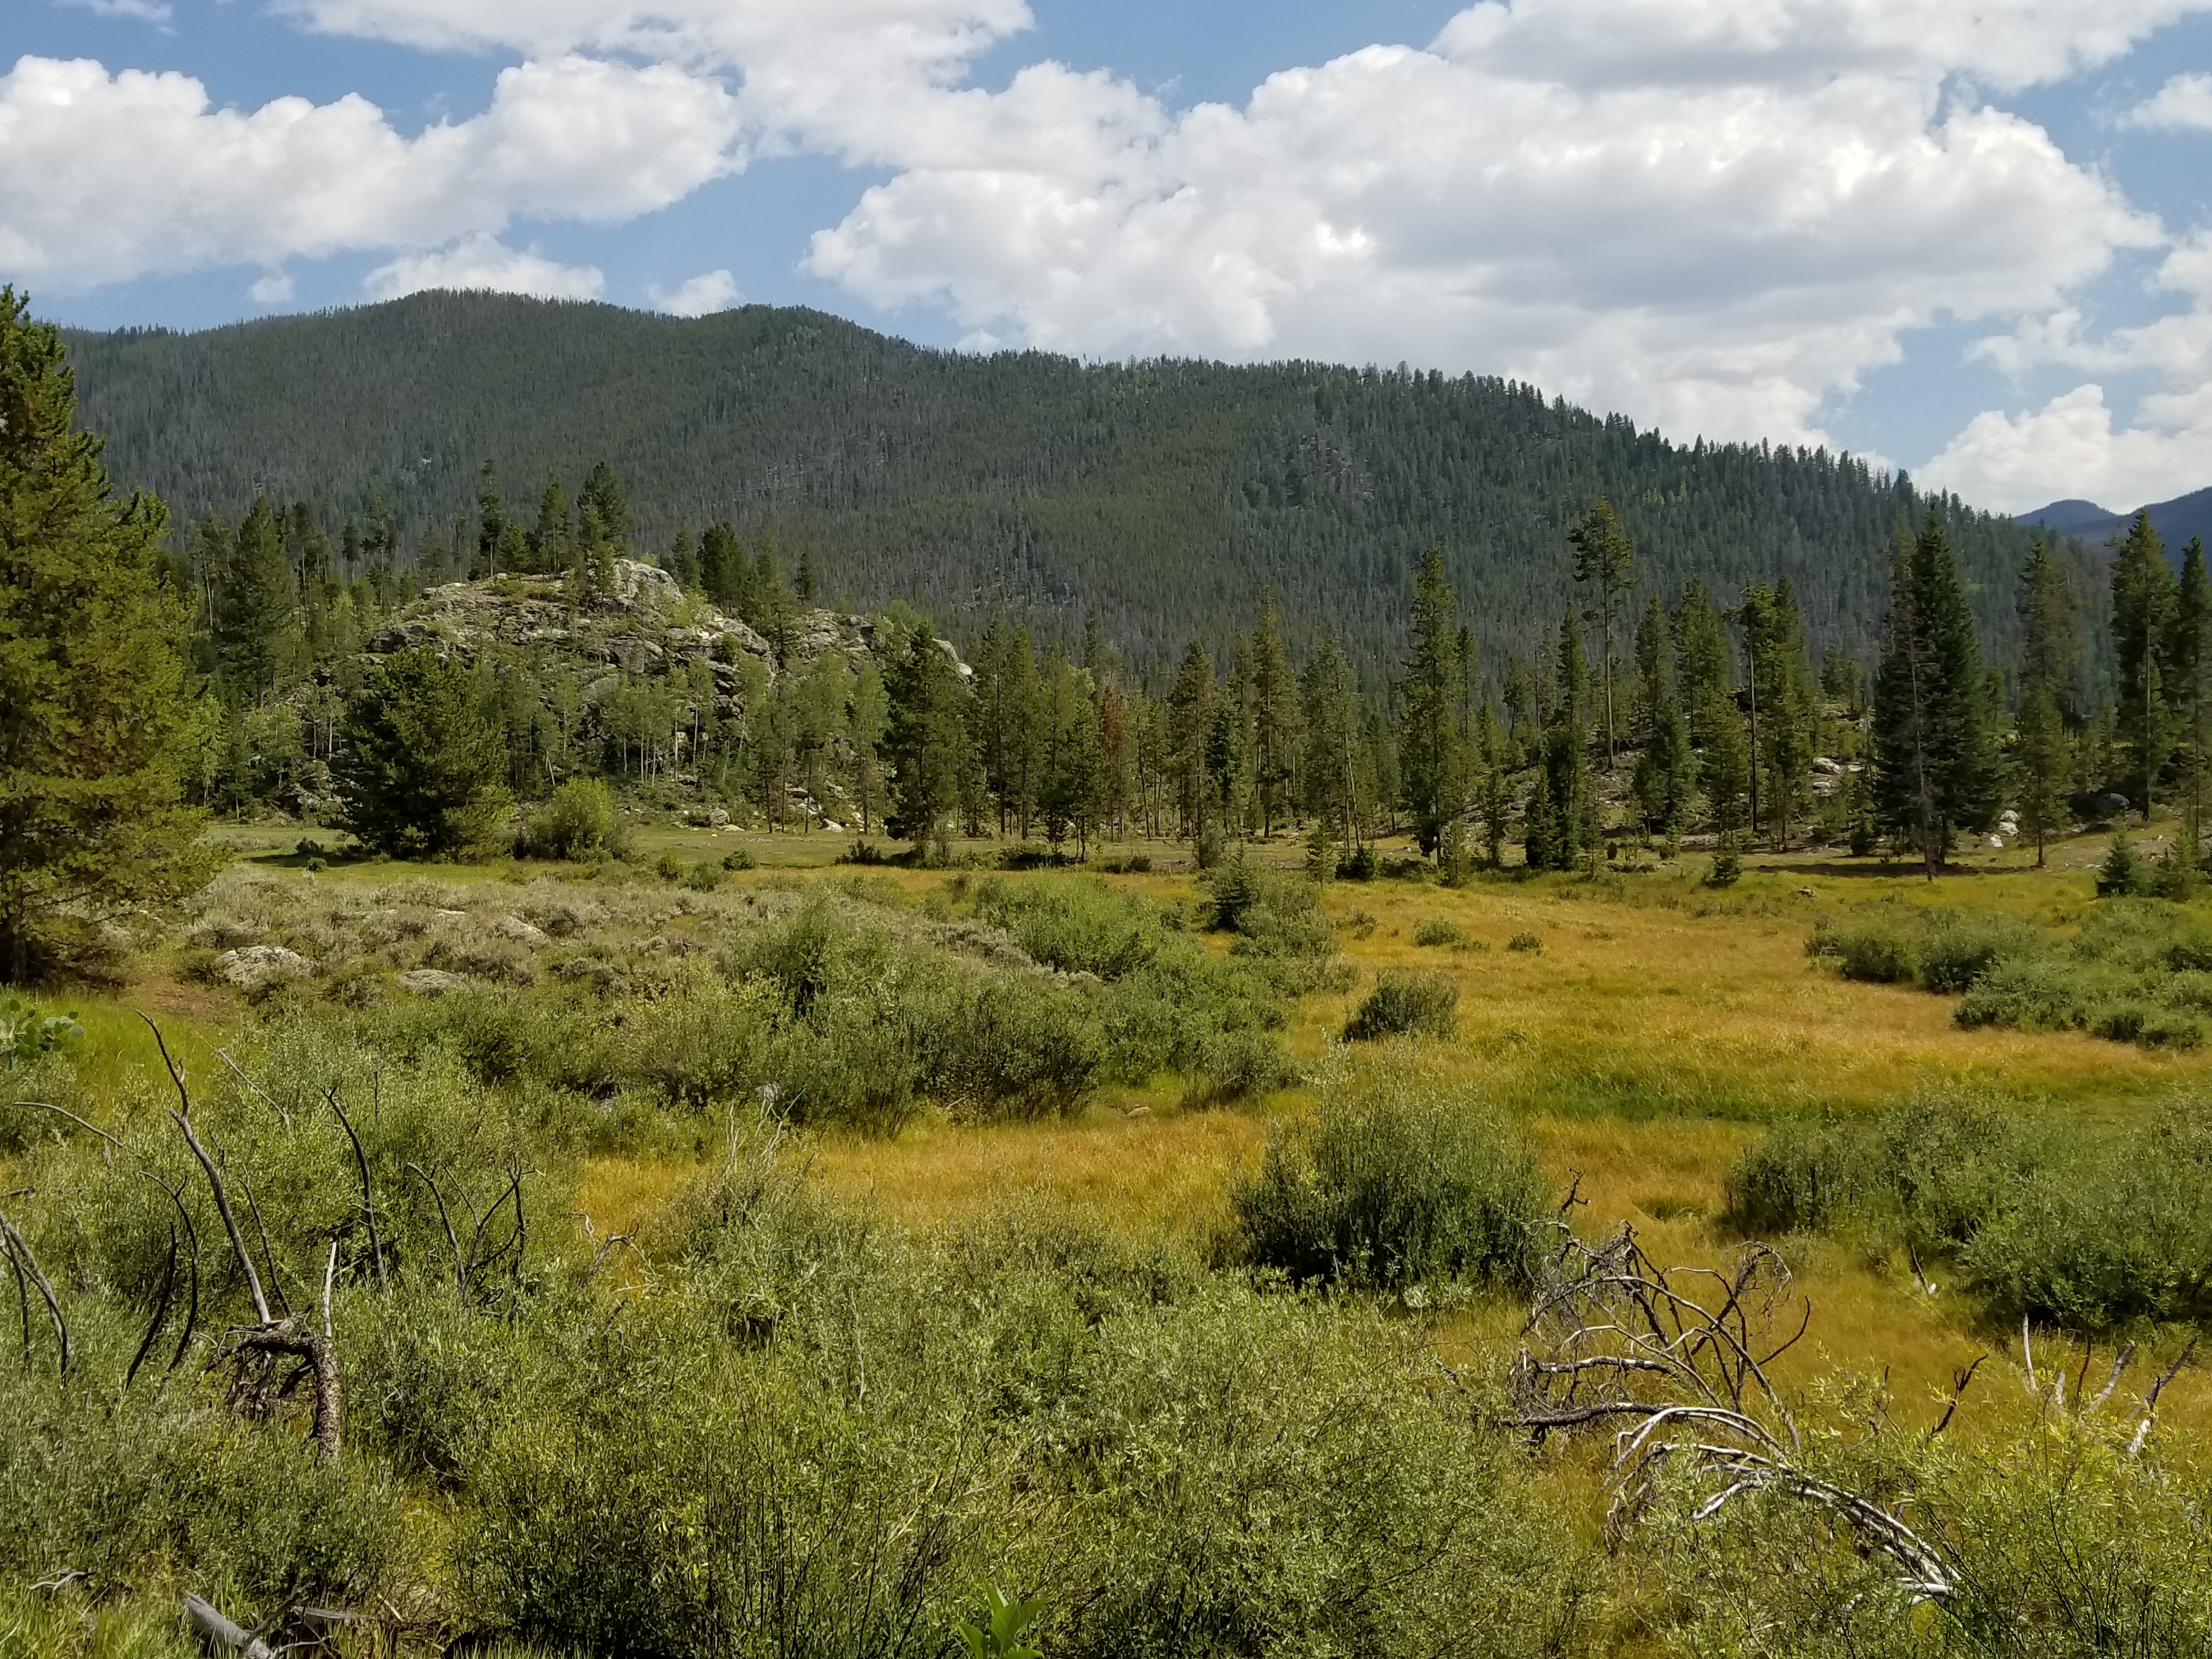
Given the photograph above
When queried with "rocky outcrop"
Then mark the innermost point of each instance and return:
(258, 967)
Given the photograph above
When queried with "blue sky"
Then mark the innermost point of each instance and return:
(1978, 245)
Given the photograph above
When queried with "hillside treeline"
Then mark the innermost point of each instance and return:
(1020, 485)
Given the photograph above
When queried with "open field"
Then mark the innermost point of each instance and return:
(1642, 1028)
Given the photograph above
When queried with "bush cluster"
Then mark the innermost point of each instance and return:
(2059, 1224)
(2136, 970)
(1395, 1181)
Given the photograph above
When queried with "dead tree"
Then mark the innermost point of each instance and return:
(268, 1359)
(1676, 1361)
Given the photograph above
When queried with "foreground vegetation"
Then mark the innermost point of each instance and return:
(638, 1359)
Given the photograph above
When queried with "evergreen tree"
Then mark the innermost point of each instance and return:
(1715, 723)
(724, 571)
(552, 541)
(1566, 795)
(1190, 727)
(1330, 718)
(491, 525)
(255, 608)
(870, 718)
(1274, 716)
(1429, 755)
(2040, 765)
(1605, 561)
(926, 742)
(1494, 787)
(94, 715)
(421, 762)
(1934, 767)
(2050, 644)
(2188, 669)
(603, 494)
(1069, 761)
(1781, 703)
(802, 584)
(2143, 604)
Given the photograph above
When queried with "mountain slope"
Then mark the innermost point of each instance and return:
(1164, 494)
(2176, 520)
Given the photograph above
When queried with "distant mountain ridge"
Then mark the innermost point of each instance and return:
(1163, 496)
(2176, 520)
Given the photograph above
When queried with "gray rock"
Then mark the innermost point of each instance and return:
(258, 967)
(2108, 804)
(431, 982)
(520, 931)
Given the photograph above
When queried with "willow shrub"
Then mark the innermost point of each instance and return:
(1396, 1179)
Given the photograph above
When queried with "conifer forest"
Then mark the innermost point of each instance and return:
(671, 990)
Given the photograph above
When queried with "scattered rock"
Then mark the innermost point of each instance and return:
(522, 932)
(258, 967)
(2109, 805)
(432, 982)
(1827, 767)
(452, 915)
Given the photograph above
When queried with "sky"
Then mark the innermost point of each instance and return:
(1973, 241)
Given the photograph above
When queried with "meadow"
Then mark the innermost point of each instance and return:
(771, 1257)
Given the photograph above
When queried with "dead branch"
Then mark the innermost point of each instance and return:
(239, 1071)
(64, 1111)
(192, 1239)
(368, 1191)
(19, 1252)
(217, 1632)
(1958, 1386)
(2150, 1400)
(445, 1221)
(257, 1388)
(160, 1313)
(276, 1279)
(1679, 1357)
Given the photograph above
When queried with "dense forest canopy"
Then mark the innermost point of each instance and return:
(1022, 485)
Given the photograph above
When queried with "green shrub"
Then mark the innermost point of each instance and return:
(2123, 874)
(1958, 947)
(1437, 932)
(1395, 1181)
(579, 822)
(1403, 1004)
(1727, 869)
(1880, 955)
(2099, 1240)
(1527, 942)
(704, 877)
(1014, 1047)
(1242, 1065)
(2038, 994)
(739, 858)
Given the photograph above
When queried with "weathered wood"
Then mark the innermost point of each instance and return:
(217, 1632)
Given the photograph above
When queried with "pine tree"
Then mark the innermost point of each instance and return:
(1431, 762)
(552, 542)
(870, 718)
(802, 585)
(2189, 668)
(1190, 726)
(2039, 763)
(2143, 602)
(1781, 705)
(603, 494)
(491, 525)
(1715, 723)
(1934, 767)
(1573, 827)
(724, 571)
(94, 714)
(1604, 560)
(926, 742)
(422, 763)
(255, 619)
(1067, 771)
(2050, 643)
(1494, 788)
(1330, 717)
(1274, 704)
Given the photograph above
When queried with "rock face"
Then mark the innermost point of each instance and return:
(258, 967)
(520, 931)
(431, 982)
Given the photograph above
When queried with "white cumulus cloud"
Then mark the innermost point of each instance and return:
(2184, 101)
(710, 291)
(483, 263)
(2075, 444)
(1718, 226)
(114, 176)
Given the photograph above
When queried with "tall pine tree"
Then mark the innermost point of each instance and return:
(93, 708)
(1934, 764)
(2143, 613)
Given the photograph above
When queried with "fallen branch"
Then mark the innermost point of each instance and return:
(19, 1251)
(217, 1632)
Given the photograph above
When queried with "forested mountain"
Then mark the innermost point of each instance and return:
(2176, 520)
(1165, 495)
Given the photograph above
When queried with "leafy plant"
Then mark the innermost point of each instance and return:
(26, 1034)
(1006, 1620)
(1403, 1004)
